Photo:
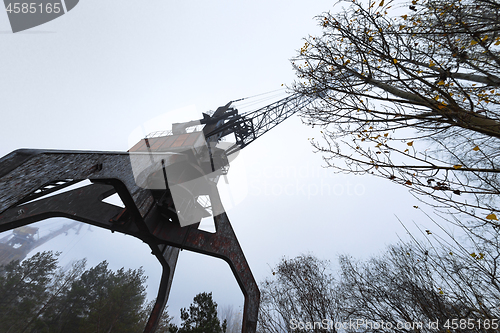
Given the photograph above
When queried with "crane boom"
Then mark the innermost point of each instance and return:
(17, 245)
(249, 126)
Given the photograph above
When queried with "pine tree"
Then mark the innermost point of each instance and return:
(201, 317)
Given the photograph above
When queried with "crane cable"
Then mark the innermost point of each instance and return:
(258, 101)
(241, 99)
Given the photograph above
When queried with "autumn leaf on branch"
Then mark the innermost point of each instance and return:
(428, 78)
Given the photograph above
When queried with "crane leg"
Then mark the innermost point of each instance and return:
(222, 244)
(85, 205)
(169, 257)
(26, 175)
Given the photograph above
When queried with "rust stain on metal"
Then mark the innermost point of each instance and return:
(111, 172)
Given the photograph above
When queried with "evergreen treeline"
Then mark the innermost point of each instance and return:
(37, 295)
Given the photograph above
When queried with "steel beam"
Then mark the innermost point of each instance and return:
(222, 244)
(26, 175)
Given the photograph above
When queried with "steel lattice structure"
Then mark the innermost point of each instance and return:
(150, 213)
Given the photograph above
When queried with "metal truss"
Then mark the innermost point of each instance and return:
(27, 176)
(247, 127)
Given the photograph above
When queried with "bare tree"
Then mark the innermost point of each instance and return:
(299, 296)
(232, 316)
(410, 93)
(444, 284)
(424, 286)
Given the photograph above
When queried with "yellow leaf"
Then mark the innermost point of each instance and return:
(370, 39)
(410, 143)
(386, 134)
(473, 42)
(441, 292)
(484, 38)
(497, 43)
(431, 63)
(381, 3)
(395, 61)
(440, 83)
(408, 182)
(451, 253)
(404, 16)
(473, 254)
(492, 217)
(458, 166)
(401, 27)
(476, 148)
(436, 98)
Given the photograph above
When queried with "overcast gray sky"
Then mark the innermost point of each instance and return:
(90, 78)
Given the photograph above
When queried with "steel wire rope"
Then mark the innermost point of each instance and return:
(73, 243)
(241, 99)
(257, 104)
(250, 104)
(251, 99)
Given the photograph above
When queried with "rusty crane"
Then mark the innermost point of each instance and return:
(160, 181)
